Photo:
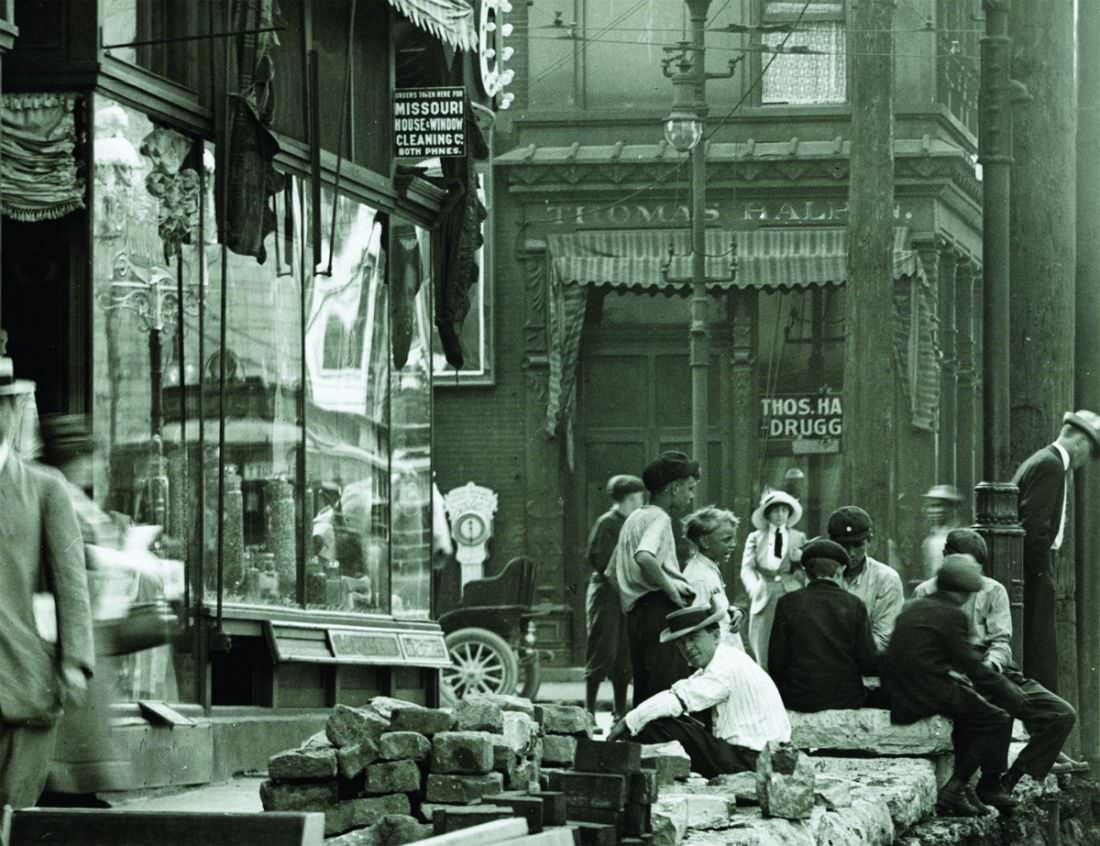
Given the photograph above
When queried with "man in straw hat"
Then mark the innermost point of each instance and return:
(931, 642)
(1048, 718)
(1043, 480)
(724, 714)
(941, 508)
(647, 572)
(46, 657)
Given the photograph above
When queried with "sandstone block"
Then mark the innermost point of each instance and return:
(384, 706)
(448, 818)
(784, 783)
(869, 730)
(523, 776)
(600, 756)
(404, 745)
(303, 764)
(741, 786)
(562, 719)
(906, 787)
(591, 790)
(833, 793)
(359, 813)
(425, 721)
(393, 777)
(463, 789)
(504, 759)
(317, 741)
(508, 704)
(669, 821)
(705, 811)
(479, 715)
(391, 830)
(299, 795)
(529, 808)
(462, 752)
(352, 760)
(518, 731)
(559, 750)
(349, 726)
(594, 834)
(670, 761)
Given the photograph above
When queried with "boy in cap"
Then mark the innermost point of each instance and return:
(876, 584)
(608, 652)
(1043, 480)
(647, 572)
(740, 708)
(1048, 718)
(931, 642)
(821, 644)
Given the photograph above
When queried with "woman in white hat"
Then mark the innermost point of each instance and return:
(768, 566)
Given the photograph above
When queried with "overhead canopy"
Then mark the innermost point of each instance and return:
(451, 21)
(766, 258)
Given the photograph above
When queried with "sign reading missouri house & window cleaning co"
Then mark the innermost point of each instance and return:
(429, 122)
(811, 423)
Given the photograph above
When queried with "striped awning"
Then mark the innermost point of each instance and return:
(451, 21)
(765, 258)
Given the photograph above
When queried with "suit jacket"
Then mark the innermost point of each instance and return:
(1042, 482)
(41, 547)
(821, 647)
(931, 639)
(755, 566)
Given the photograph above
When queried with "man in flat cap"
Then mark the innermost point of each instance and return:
(724, 714)
(931, 641)
(876, 584)
(647, 572)
(608, 651)
(1043, 480)
(821, 643)
(1048, 718)
(46, 649)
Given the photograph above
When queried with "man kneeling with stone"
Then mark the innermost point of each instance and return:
(1048, 718)
(724, 714)
(928, 669)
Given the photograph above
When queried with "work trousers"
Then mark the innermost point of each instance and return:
(981, 736)
(608, 650)
(656, 665)
(1040, 632)
(1048, 719)
(710, 756)
(24, 763)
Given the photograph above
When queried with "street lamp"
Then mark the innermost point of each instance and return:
(686, 67)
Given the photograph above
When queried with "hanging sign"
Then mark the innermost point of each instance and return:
(429, 122)
(810, 423)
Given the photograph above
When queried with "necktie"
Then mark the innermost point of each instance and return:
(778, 543)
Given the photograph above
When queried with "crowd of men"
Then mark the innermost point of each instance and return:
(828, 626)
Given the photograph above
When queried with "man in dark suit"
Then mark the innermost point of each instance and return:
(931, 641)
(46, 650)
(821, 644)
(1043, 480)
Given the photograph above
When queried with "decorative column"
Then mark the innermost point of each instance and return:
(947, 471)
(965, 385)
(997, 522)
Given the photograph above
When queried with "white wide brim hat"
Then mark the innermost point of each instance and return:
(776, 498)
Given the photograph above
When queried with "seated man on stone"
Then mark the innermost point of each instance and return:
(1048, 718)
(821, 644)
(928, 651)
(724, 714)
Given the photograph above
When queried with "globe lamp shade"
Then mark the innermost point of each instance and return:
(683, 130)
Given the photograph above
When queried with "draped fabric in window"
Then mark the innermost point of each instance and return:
(39, 177)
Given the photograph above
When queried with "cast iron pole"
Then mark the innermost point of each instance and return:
(700, 356)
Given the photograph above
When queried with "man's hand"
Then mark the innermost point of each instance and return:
(74, 684)
(619, 731)
(680, 592)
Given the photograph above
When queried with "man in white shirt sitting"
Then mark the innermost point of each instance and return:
(724, 714)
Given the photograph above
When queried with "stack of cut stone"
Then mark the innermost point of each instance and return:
(562, 726)
(608, 795)
(362, 776)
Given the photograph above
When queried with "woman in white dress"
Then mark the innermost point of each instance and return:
(713, 535)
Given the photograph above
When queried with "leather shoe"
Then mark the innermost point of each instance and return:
(953, 802)
(992, 792)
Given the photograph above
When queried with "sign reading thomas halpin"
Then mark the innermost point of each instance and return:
(429, 122)
(811, 423)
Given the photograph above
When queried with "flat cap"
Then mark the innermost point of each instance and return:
(824, 549)
(849, 524)
(670, 466)
(623, 485)
(960, 573)
(967, 542)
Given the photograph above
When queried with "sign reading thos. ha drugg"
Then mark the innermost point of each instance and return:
(429, 122)
(812, 423)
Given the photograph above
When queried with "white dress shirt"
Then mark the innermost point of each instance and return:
(776, 561)
(5, 448)
(748, 710)
(1057, 544)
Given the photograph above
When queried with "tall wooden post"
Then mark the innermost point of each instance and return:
(869, 387)
(1087, 388)
(947, 469)
(1043, 220)
(746, 410)
(966, 382)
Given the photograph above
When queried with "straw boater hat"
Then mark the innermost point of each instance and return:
(770, 498)
(1088, 422)
(684, 621)
(944, 493)
(9, 385)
